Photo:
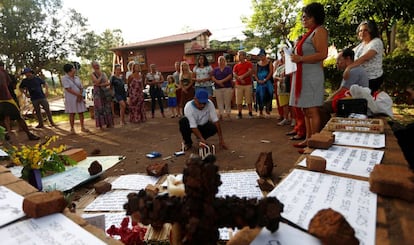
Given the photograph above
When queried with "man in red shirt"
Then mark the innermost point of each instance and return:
(8, 107)
(243, 75)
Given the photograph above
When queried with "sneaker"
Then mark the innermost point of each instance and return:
(283, 122)
(33, 136)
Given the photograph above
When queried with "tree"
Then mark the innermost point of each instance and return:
(270, 23)
(385, 12)
(94, 47)
(45, 34)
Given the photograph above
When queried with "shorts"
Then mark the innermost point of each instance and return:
(172, 101)
(9, 109)
(120, 97)
(243, 91)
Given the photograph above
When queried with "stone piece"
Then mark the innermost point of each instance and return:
(43, 203)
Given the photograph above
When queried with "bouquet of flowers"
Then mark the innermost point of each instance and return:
(41, 157)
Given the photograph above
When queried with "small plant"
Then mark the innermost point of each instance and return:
(40, 156)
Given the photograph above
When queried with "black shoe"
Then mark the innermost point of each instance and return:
(39, 126)
(33, 137)
(291, 133)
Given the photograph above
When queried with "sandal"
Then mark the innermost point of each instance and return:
(297, 137)
(302, 144)
(291, 133)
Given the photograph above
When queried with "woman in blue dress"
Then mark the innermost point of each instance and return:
(264, 88)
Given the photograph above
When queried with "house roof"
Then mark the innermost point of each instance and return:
(183, 37)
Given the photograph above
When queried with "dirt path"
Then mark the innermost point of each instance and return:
(243, 137)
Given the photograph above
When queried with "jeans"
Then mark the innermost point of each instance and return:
(156, 93)
(45, 105)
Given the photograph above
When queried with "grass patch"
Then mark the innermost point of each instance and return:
(58, 117)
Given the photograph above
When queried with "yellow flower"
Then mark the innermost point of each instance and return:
(39, 156)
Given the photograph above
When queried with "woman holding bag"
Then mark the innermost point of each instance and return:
(74, 102)
(102, 98)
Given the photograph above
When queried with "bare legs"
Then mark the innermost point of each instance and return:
(81, 121)
(312, 121)
(122, 107)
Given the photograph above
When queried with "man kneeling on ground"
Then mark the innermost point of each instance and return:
(200, 118)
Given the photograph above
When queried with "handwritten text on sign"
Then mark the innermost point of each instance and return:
(304, 193)
(349, 160)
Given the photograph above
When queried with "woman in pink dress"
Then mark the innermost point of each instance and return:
(136, 96)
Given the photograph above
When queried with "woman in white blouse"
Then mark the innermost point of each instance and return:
(369, 54)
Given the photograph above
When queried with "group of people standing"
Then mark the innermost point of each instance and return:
(299, 95)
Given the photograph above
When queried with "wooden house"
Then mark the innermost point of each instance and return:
(164, 51)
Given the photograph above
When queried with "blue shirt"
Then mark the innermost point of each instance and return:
(34, 87)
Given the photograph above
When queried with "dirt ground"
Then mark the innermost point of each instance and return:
(242, 136)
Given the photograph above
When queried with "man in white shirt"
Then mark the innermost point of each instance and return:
(200, 118)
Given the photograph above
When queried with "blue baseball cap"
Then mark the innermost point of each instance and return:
(27, 70)
(202, 95)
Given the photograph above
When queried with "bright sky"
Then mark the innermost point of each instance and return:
(142, 20)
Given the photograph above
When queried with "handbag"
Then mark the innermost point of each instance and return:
(348, 106)
(107, 92)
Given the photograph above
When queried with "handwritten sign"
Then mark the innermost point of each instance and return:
(67, 180)
(348, 160)
(110, 218)
(241, 184)
(74, 176)
(10, 206)
(360, 139)
(51, 229)
(110, 201)
(284, 235)
(133, 182)
(304, 193)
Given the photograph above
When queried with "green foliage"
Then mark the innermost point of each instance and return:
(97, 48)
(398, 72)
(333, 77)
(270, 23)
(44, 34)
